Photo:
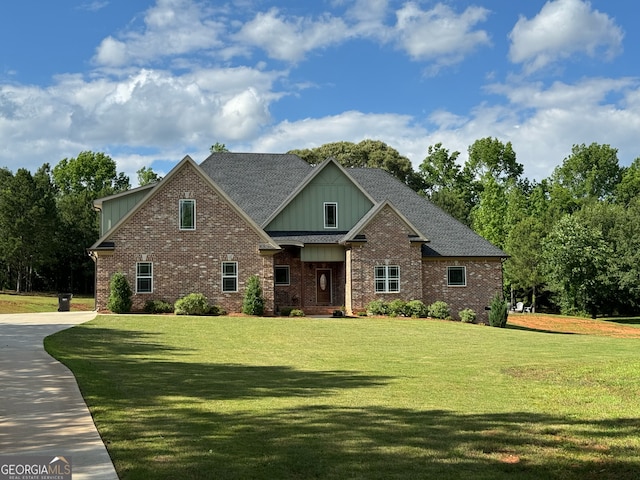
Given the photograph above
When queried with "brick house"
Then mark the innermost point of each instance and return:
(319, 237)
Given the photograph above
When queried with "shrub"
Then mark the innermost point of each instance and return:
(285, 311)
(119, 294)
(439, 309)
(296, 312)
(499, 312)
(192, 304)
(216, 310)
(377, 307)
(416, 309)
(397, 308)
(467, 315)
(158, 306)
(253, 303)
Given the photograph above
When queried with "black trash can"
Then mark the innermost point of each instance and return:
(64, 302)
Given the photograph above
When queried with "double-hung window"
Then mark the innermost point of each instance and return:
(456, 276)
(330, 215)
(187, 214)
(144, 277)
(229, 276)
(387, 278)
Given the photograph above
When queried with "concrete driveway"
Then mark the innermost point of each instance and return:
(41, 410)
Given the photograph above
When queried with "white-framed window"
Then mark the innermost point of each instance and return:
(456, 276)
(144, 277)
(281, 275)
(229, 276)
(330, 215)
(187, 214)
(387, 278)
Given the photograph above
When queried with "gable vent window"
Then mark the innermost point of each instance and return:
(187, 214)
(330, 215)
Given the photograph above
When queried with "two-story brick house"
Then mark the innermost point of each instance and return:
(319, 238)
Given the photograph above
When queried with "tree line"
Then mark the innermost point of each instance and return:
(47, 222)
(573, 238)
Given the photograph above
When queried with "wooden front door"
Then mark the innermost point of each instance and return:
(323, 286)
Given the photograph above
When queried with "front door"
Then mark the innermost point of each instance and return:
(323, 286)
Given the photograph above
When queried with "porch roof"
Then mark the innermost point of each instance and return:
(301, 239)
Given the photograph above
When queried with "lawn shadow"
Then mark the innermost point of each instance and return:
(623, 320)
(537, 330)
(180, 419)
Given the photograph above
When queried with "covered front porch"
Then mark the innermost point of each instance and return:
(310, 278)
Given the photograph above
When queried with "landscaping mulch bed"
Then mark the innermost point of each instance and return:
(585, 326)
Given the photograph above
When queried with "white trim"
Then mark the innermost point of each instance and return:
(138, 277)
(386, 279)
(324, 212)
(464, 276)
(223, 277)
(186, 201)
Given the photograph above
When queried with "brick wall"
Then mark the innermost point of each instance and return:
(186, 261)
(387, 244)
(484, 280)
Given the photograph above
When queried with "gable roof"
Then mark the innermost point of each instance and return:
(267, 242)
(258, 182)
(262, 184)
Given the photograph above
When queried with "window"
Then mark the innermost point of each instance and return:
(330, 215)
(282, 274)
(457, 276)
(229, 276)
(144, 277)
(187, 214)
(387, 278)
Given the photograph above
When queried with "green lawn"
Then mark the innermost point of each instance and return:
(268, 398)
(36, 303)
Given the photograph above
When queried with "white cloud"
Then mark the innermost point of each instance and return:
(171, 27)
(289, 39)
(440, 34)
(561, 29)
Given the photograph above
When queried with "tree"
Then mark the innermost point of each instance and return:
(147, 176)
(577, 258)
(119, 294)
(80, 181)
(629, 187)
(590, 173)
(253, 302)
(489, 156)
(367, 153)
(439, 170)
(218, 147)
(28, 219)
(488, 217)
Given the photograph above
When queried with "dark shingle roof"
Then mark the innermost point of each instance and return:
(259, 183)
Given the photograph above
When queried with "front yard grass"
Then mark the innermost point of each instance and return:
(37, 303)
(301, 398)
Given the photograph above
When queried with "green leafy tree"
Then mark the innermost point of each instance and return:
(590, 173)
(488, 217)
(577, 259)
(147, 176)
(80, 181)
(629, 187)
(218, 147)
(253, 302)
(28, 218)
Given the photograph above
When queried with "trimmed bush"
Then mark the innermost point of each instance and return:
(440, 310)
(467, 315)
(158, 306)
(397, 308)
(499, 312)
(253, 303)
(119, 294)
(377, 307)
(192, 304)
(296, 312)
(416, 309)
(216, 310)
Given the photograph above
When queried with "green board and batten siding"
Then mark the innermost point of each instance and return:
(306, 211)
(117, 207)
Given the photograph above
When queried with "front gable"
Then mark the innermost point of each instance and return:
(328, 191)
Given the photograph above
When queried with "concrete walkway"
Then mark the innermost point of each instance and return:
(41, 410)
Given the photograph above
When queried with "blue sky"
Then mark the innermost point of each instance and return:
(150, 81)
